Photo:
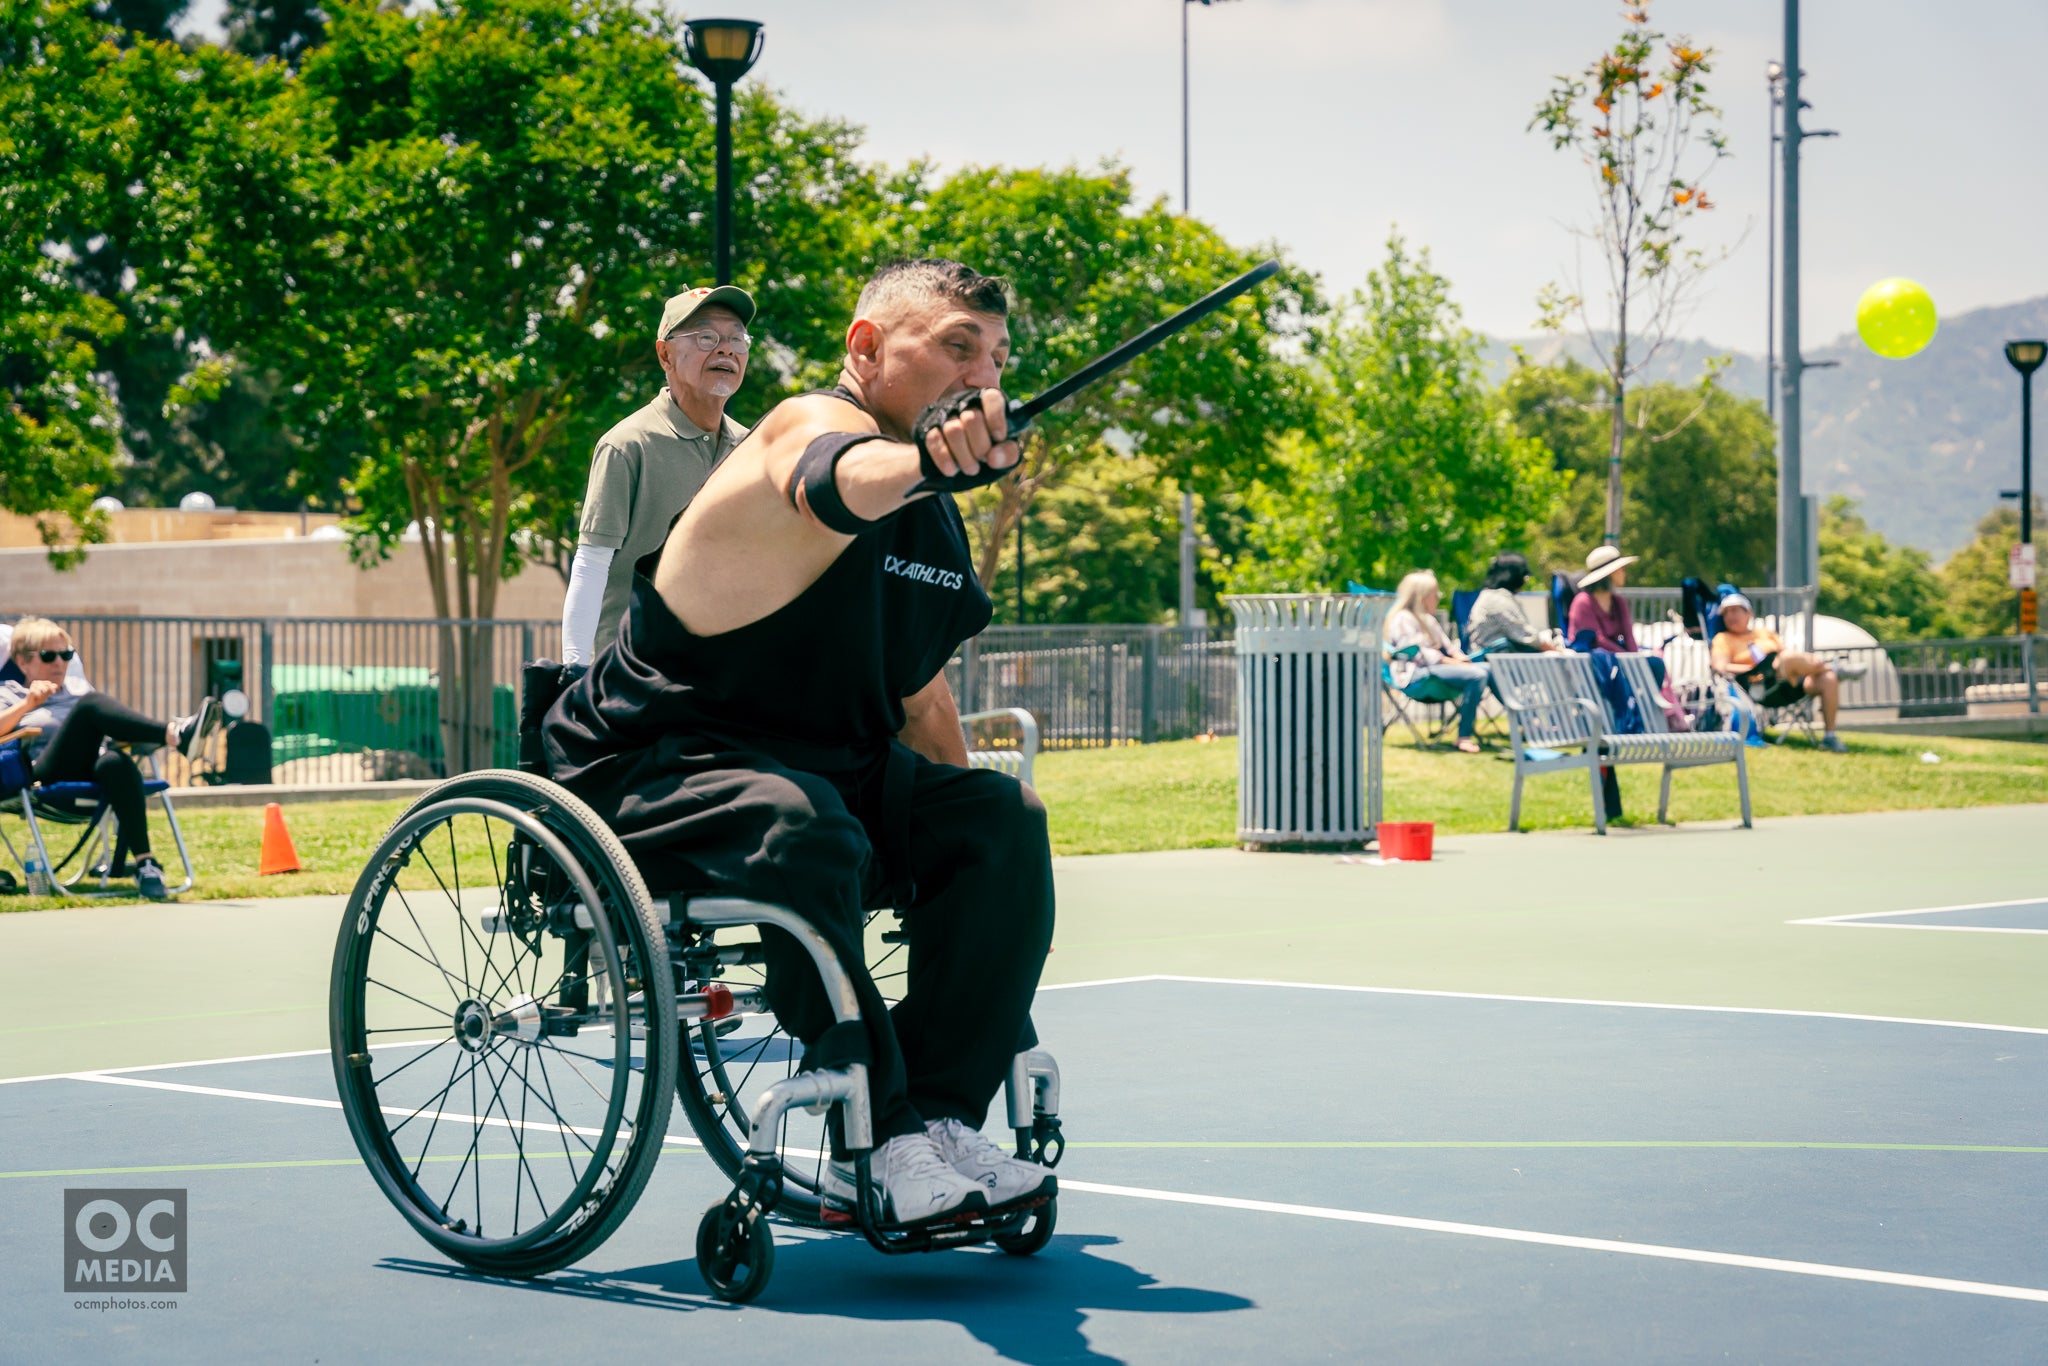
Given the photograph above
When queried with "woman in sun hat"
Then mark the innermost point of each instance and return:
(1598, 608)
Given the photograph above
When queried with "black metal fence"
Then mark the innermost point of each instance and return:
(1103, 685)
(351, 700)
(345, 700)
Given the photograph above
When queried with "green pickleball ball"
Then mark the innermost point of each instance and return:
(1895, 318)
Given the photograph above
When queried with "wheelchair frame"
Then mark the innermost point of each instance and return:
(567, 879)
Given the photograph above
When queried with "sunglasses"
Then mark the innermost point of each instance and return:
(52, 656)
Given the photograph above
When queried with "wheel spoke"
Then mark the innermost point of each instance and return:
(401, 987)
(426, 1146)
(455, 987)
(396, 992)
(428, 1053)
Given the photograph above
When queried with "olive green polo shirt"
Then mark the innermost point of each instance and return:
(644, 472)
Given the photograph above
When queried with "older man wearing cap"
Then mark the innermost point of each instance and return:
(649, 467)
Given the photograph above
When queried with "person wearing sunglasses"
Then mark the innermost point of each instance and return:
(76, 724)
(648, 468)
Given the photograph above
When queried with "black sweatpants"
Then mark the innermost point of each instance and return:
(74, 755)
(979, 922)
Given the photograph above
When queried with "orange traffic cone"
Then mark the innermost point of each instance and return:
(278, 855)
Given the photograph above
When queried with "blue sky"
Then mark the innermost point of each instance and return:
(1321, 123)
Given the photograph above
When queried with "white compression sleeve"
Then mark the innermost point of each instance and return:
(580, 610)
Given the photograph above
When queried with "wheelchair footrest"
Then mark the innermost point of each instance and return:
(964, 1231)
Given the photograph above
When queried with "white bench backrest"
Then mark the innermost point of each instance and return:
(1543, 693)
(1649, 699)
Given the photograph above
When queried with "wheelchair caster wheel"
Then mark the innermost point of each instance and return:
(736, 1255)
(1034, 1233)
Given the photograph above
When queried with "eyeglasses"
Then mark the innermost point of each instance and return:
(52, 656)
(710, 339)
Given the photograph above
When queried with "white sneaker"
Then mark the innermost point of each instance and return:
(918, 1186)
(1007, 1179)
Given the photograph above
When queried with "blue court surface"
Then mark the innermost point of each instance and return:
(1993, 917)
(1257, 1172)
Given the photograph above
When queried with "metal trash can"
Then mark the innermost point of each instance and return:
(1308, 719)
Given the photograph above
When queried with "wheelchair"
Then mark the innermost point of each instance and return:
(512, 1014)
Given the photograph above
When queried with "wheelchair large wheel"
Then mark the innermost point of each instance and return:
(724, 1065)
(496, 968)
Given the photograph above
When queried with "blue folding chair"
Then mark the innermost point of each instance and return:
(72, 804)
(75, 804)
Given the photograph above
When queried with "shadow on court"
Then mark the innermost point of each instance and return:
(1027, 1310)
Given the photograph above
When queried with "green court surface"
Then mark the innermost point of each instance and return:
(1693, 915)
(1672, 1094)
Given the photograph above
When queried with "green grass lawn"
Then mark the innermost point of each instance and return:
(1183, 795)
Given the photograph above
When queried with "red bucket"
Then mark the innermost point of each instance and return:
(1408, 841)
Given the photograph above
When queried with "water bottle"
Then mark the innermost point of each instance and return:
(38, 877)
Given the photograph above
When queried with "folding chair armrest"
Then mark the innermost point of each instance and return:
(25, 733)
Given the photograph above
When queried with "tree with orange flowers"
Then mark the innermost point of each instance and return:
(1639, 119)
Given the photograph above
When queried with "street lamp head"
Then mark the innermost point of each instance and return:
(723, 49)
(2026, 356)
(1774, 72)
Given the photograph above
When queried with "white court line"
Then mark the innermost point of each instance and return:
(1582, 1001)
(1400, 1221)
(314, 1103)
(1866, 920)
(1517, 1235)
(1264, 982)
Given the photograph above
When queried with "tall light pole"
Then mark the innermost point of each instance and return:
(724, 50)
(1188, 542)
(2026, 357)
(1796, 563)
(1774, 73)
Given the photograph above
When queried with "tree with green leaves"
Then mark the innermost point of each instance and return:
(497, 197)
(1638, 118)
(1978, 598)
(133, 173)
(1889, 590)
(1702, 502)
(283, 29)
(58, 432)
(504, 193)
(1411, 463)
(1089, 268)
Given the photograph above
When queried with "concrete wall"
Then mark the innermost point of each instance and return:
(246, 578)
(176, 524)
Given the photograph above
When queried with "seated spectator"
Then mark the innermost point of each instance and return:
(1756, 658)
(1421, 650)
(1602, 612)
(76, 724)
(1598, 608)
(1497, 621)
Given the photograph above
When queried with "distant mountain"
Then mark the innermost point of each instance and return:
(1923, 444)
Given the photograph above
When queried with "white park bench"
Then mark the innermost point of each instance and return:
(1558, 721)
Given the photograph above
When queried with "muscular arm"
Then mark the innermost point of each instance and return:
(931, 724)
(742, 550)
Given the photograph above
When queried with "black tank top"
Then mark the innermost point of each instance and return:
(818, 683)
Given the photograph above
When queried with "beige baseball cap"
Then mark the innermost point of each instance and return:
(687, 305)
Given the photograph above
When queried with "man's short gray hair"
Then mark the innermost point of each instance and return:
(899, 282)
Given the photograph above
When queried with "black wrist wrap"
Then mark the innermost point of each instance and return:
(929, 421)
(816, 473)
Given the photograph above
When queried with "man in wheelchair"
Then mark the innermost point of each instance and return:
(774, 723)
